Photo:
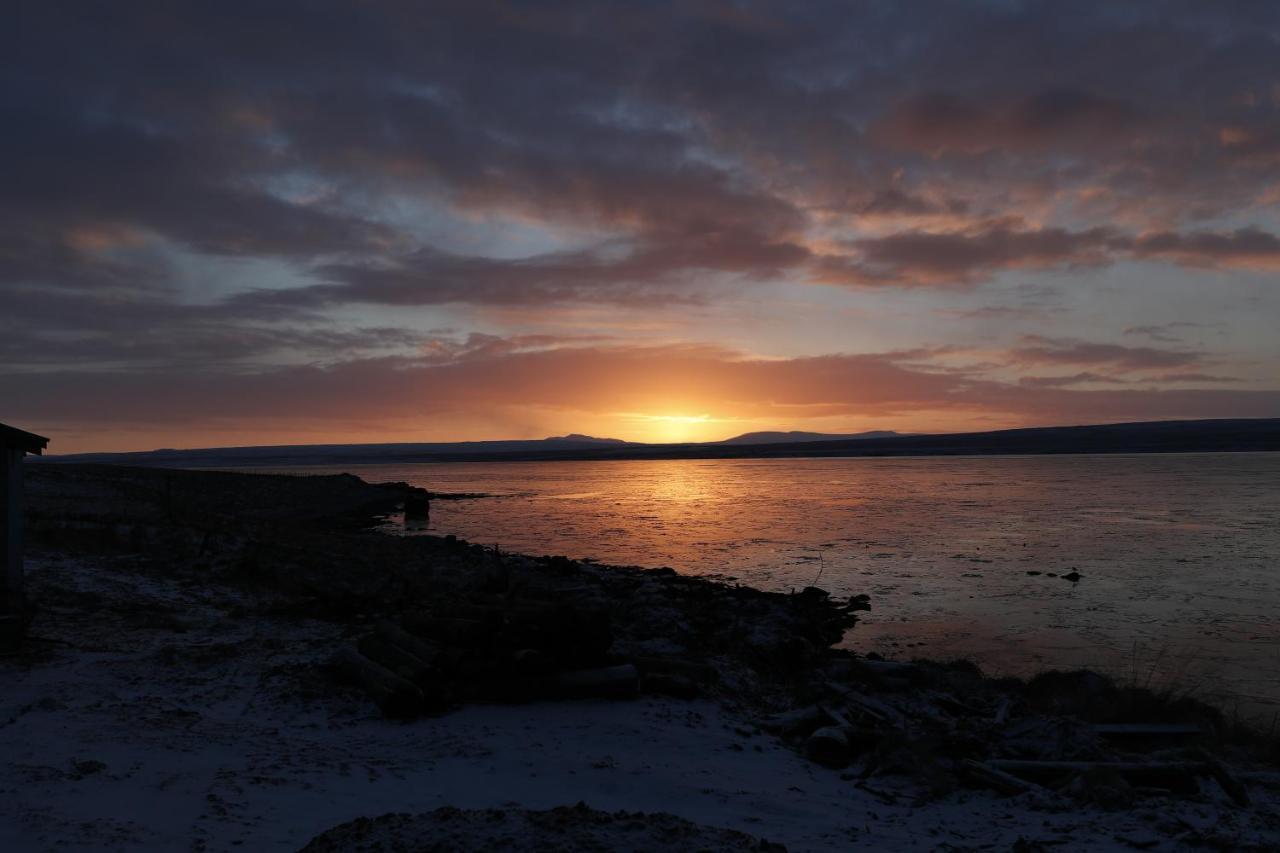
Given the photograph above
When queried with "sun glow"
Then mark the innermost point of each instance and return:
(673, 429)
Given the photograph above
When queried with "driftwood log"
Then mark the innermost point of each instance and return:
(465, 633)
(1173, 775)
(793, 722)
(867, 705)
(404, 664)
(669, 685)
(1234, 787)
(427, 652)
(610, 682)
(700, 672)
(1005, 783)
(1149, 730)
(395, 696)
(530, 663)
(828, 746)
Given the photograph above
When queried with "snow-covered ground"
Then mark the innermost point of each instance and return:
(154, 713)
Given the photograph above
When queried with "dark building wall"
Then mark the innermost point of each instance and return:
(11, 529)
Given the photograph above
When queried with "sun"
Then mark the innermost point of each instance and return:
(676, 429)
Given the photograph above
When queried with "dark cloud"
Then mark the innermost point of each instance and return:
(1244, 247)
(1061, 119)
(1170, 333)
(894, 202)
(1082, 378)
(627, 275)
(933, 258)
(666, 123)
(922, 258)
(1198, 378)
(1041, 350)
(69, 173)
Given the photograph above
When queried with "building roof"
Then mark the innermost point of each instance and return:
(16, 439)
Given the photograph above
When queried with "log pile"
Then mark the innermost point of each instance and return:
(951, 726)
(504, 650)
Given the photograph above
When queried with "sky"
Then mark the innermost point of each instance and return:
(280, 223)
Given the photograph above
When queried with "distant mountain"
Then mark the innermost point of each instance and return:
(342, 454)
(577, 438)
(795, 437)
(1205, 436)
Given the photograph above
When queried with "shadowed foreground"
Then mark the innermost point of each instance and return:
(176, 694)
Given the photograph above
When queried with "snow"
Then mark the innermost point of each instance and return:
(152, 713)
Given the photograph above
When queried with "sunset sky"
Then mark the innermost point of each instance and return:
(267, 223)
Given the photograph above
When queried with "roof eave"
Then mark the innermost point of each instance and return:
(20, 439)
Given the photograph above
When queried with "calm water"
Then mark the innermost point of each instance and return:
(1180, 553)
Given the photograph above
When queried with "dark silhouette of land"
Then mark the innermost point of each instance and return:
(795, 436)
(1202, 436)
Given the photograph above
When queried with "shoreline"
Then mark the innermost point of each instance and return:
(151, 605)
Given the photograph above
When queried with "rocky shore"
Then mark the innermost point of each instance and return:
(219, 659)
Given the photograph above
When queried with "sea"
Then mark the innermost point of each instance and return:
(1162, 570)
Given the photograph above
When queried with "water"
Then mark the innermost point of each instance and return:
(1180, 554)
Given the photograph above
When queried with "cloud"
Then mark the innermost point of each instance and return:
(1082, 378)
(939, 122)
(667, 124)
(67, 175)
(644, 274)
(596, 383)
(1041, 350)
(923, 258)
(234, 198)
(1198, 378)
(1249, 248)
(920, 258)
(1169, 332)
